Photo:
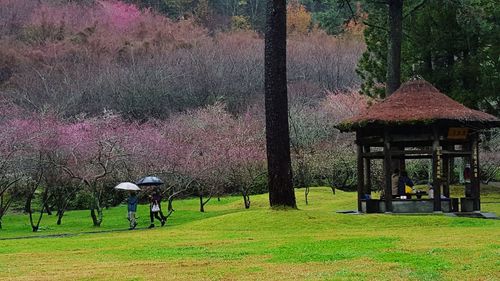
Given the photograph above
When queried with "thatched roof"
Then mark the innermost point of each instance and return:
(418, 102)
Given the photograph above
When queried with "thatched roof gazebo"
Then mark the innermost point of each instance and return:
(418, 122)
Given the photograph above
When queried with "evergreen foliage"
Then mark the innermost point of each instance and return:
(449, 43)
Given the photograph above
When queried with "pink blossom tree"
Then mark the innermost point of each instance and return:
(156, 151)
(220, 150)
(39, 135)
(244, 153)
(60, 185)
(94, 150)
(11, 146)
(120, 15)
(202, 134)
(336, 159)
(318, 149)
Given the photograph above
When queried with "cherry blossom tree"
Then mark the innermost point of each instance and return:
(94, 150)
(244, 153)
(158, 150)
(336, 161)
(204, 152)
(203, 133)
(11, 146)
(319, 151)
(39, 135)
(62, 189)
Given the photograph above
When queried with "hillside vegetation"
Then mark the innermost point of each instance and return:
(93, 93)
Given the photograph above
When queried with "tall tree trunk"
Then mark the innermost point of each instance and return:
(427, 67)
(279, 166)
(395, 23)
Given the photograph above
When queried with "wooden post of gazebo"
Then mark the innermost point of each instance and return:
(387, 172)
(447, 171)
(436, 169)
(360, 176)
(367, 171)
(418, 122)
(475, 181)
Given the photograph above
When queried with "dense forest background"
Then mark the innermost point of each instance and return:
(97, 92)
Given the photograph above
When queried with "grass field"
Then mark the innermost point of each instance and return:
(231, 243)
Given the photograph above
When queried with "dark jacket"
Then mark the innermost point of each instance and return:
(404, 181)
(155, 199)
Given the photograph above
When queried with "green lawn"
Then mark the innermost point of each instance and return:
(231, 243)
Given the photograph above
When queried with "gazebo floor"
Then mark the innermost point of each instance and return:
(413, 206)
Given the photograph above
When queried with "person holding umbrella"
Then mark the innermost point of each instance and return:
(132, 209)
(155, 200)
(132, 201)
(155, 209)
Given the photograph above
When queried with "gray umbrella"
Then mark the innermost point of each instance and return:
(149, 180)
(127, 186)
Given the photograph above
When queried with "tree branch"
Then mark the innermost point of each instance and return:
(375, 26)
(353, 14)
(380, 2)
(418, 6)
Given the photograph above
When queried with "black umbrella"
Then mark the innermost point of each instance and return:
(150, 180)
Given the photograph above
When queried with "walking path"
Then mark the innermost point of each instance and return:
(60, 235)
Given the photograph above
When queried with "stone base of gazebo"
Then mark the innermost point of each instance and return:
(413, 206)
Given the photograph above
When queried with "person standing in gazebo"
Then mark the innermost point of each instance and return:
(394, 183)
(404, 182)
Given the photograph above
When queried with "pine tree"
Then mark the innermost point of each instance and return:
(451, 44)
(281, 192)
